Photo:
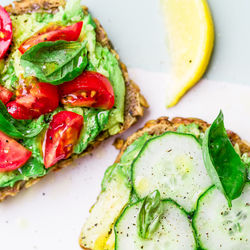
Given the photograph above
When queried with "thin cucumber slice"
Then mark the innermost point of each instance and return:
(174, 232)
(171, 163)
(221, 227)
(97, 232)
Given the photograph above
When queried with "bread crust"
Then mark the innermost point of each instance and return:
(163, 124)
(135, 103)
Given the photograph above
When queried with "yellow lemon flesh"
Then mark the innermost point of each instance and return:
(190, 35)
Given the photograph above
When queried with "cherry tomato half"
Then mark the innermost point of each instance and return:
(53, 33)
(33, 101)
(19, 111)
(61, 136)
(5, 94)
(5, 31)
(12, 154)
(90, 89)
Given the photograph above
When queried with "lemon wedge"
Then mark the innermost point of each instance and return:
(190, 33)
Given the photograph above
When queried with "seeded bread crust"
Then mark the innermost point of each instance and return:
(135, 103)
(162, 125)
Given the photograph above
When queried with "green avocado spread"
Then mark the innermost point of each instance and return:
(99, 59)
(123, 168)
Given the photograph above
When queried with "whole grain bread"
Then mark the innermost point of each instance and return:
(135, 103)
(158, 127)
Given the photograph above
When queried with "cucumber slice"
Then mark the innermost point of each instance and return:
(174, 232)
(97, 232)
(221, 227)
(171, 163)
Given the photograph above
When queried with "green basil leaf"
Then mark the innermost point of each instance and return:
(19, 129)
(7, 127)
(150, 215)
(94, 123)
(55, 62)
(223, 164)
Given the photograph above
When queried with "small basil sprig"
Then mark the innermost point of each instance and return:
(55, 62)
(150, 215)
(19, 129)
(223, 164)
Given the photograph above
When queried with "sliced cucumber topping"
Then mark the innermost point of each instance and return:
(97, 232)
(173, 164)
(221, 227)
(174, 232)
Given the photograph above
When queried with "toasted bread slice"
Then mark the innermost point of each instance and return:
(105, 239)
(135, 103)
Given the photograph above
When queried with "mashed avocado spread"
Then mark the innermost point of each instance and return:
(100, 59)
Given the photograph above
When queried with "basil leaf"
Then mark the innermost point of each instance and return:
(19, 129)
(223, 164)
(94, 123)
(55, 62)
(7, 127)
(149, 215)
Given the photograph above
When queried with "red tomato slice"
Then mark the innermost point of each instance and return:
(53, 33)
(90, 89)
(20, 112)
(5, 94)
(12, 154)
(31, 102)
(5, 31)
(61, 136)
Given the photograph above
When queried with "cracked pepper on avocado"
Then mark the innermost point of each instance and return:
(60, 88)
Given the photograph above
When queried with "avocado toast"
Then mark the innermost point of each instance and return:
(145, 204)
(30, 18)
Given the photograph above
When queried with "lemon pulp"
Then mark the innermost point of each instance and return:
(190, 34)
